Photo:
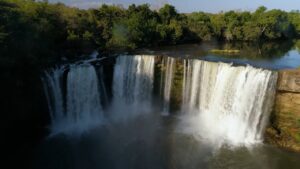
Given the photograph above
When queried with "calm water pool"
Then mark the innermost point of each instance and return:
(272, 55)
(154, 142)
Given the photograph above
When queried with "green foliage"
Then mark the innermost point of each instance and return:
(252, 50)
(120, 34)
(260, 25)
(200, 24)
(43, 27)
(144, 27)
(274, 24)
(141, 24)
(167, 13)
(294, 18)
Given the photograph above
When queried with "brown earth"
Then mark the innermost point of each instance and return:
(284, 129)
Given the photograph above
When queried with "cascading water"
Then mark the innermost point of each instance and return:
(229, 104)
(52, 82)
(223, 103)
(198, 84)
(168, 85)
(80, 108)
(133, 82)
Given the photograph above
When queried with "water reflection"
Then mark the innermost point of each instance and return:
(269, 55)
(153, 142)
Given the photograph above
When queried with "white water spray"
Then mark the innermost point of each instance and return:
(227, 104)
(80, 109)
(169, 73)
(133, 83)
(223, 103)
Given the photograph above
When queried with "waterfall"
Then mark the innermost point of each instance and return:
(52, 82)
(227, 104)
(168, 84)
(198, 84)
(79, 109)
(162, 77)
(221, 103)
(133, 82)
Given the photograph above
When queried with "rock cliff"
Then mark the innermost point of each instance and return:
(284, 129)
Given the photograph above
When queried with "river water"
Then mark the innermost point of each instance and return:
(268, 55)
(154, 142)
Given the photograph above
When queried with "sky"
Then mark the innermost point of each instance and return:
(187, 6)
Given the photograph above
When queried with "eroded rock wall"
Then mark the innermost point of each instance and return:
(284, 129)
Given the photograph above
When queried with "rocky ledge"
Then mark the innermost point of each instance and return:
(284, 129)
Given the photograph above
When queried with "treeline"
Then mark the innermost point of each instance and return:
(245, 26)
(28, 25)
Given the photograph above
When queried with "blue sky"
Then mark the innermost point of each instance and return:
(195, 5)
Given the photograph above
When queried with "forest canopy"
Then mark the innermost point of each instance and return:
(30, 25)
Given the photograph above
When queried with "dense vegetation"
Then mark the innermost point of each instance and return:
(40, 28)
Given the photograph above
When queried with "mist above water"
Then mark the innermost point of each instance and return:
(132, 86)
(220, 103)
(226, 104)
(74, 104)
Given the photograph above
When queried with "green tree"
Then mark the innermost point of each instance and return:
(199, 23)
(167, 13)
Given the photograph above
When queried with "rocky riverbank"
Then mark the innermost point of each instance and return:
(284, 129)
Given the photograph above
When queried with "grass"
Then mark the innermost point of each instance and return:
(297, 137)
(229, 51)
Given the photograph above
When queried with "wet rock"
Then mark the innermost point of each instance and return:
(289, 103)
(284, 130)
(289, 80)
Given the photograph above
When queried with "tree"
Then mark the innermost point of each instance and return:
(40, 27)
(260, 10)
(274, 24)
(199, 23)
(167, 13)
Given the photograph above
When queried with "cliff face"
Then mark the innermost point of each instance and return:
(284, 130)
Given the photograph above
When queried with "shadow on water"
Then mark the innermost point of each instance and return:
(136, 143)
(23, 113)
